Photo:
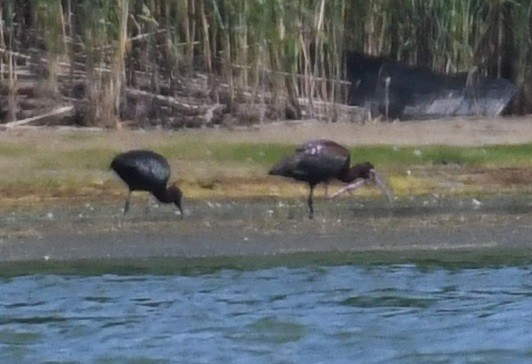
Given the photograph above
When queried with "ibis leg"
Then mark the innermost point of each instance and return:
(126, 206)
(148, 205)
(310, 202)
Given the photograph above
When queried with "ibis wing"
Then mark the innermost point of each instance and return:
(289, 167)
(154, 172)
(322, 166)
(141, 170)
(326, 159)
(314, 162)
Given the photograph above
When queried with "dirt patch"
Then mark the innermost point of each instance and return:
(456, 131)
(501, 177)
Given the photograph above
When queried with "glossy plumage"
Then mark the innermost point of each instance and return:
(314, 162)
(144, 170)
(322, 160)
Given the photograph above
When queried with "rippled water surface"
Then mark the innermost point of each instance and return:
(349, 313)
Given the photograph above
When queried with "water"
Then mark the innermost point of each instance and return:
(316, 313)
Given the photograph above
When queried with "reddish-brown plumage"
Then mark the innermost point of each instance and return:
(323, 160)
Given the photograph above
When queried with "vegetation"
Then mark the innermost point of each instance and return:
(264, 52)
(74, 166)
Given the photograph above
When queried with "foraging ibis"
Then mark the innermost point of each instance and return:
(144, 170)
(322, 160)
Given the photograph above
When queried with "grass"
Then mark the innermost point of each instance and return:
(485, 156)
(384, 156)
(77, 165)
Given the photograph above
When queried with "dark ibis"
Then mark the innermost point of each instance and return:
(320, 161)
(144, 170)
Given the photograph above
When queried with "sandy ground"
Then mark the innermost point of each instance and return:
(458, 131)
(430, 226)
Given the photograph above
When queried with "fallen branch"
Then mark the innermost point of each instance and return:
(62, 111)
(15, 54)
(166, 100)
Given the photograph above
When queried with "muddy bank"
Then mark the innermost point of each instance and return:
(68, 210)
(246, 230)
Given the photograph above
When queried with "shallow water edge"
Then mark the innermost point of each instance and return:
(242, 235)
(423, 259)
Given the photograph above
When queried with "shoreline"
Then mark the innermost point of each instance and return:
(235, 232)
(83, 223)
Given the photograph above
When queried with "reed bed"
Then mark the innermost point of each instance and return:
(261, 58)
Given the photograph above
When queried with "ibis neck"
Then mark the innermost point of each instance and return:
(350, 175)
(162, 195)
